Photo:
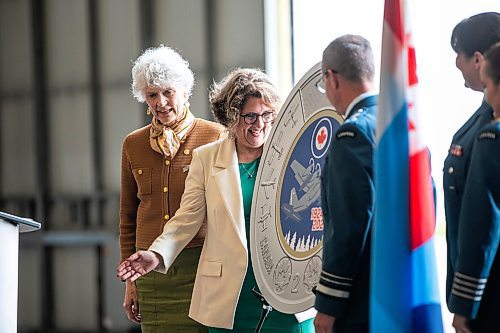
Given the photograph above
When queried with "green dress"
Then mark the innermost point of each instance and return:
(249, 309)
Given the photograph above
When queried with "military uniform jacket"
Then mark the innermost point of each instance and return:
(476, 283)
(455, 171)
(347, 194)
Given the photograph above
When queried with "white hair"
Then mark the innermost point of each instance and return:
(161, 67)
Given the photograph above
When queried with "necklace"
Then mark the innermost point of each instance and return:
(250, 175)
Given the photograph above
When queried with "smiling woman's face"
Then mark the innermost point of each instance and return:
(252, 136)
(165, 103)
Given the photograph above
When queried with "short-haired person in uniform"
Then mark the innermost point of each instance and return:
(347, 188)
(155, 161)
(470, 39)
(475, 293)
(219, 189)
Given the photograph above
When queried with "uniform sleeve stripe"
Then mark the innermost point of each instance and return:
(466, 296)
(477, 292)
(335, 282)
(346, 279)
(470, 278)
(332, 279)
(332, 292)
(458, 281)
(468, 284)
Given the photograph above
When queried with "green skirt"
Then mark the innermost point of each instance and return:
(164, 298)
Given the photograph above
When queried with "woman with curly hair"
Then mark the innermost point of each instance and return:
(219, 189)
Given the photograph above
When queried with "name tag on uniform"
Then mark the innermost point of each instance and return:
(487, 135)
(456, 150)
(343, 134)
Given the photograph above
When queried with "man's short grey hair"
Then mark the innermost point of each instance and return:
(161, 67)
(351, 56)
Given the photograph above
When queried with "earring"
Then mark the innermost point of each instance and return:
(148, 111)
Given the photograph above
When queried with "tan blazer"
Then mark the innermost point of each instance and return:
(213, 191)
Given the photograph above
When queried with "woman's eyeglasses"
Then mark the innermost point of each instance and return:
(251, 118)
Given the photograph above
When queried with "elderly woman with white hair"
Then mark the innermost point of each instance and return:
(155, 163)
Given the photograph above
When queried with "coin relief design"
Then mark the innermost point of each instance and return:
(286, 224)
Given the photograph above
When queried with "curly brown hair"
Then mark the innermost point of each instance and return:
(228, 97)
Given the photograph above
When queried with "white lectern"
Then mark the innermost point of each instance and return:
(10, 227)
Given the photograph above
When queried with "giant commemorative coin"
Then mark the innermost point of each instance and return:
(286, 228)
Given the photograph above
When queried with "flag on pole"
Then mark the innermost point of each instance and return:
(404, 286)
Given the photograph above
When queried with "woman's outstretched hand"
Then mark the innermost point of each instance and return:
(137, 265)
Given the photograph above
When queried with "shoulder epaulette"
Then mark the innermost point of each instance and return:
(356, 113)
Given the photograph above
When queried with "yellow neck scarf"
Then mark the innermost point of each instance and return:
(166, 140)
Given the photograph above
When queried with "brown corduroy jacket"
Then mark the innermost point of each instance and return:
(152, 185)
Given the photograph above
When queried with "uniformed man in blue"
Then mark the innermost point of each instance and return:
(470, 39)
(475, 293)
(347, 188)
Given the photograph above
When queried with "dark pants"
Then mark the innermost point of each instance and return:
(343, 327)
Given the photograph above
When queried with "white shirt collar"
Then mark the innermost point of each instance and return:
(357, 100)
